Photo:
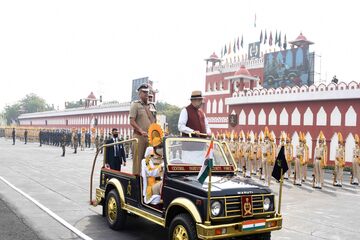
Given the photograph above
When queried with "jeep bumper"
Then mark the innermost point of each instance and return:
(247, 227)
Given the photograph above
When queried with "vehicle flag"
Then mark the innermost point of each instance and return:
(207, 164)
(280, 163)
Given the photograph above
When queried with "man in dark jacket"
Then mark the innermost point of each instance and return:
(13, 135)
(115, 155)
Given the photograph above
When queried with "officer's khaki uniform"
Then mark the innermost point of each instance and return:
(339, 164)
(304, 163)
(298, 161)
(267, 161)
(247, 157)
(240, 154)
(320, 162)
(356, 164)
(144, 115)
(289, 151)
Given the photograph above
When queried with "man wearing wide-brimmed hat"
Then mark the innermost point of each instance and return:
(192, 119)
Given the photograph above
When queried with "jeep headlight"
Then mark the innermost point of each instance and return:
(267, 203)
(215, 208)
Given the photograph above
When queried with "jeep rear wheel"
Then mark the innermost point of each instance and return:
(182, 227)
(115, 216)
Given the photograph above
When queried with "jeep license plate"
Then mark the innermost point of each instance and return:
(253, 224)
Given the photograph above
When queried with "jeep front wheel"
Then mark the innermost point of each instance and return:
(115, 216)
(182, 227)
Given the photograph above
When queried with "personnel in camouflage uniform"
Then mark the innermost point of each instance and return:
(356, 162)
(63, 143)
(75, 141)
(339, 162)
(320, 159)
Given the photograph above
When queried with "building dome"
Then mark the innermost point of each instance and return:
(91, 96)
(242, 72)
(214, 56)
(301, 40)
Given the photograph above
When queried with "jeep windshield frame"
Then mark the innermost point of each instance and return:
(185, 154)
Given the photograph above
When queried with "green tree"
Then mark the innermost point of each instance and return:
(29, 104)
(74, 104)
(11, 113)
(172, 113)
(33, 103)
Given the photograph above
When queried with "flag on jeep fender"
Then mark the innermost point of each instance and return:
(280, 163)
(207, 163)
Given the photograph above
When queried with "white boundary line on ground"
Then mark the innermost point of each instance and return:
(48, 211)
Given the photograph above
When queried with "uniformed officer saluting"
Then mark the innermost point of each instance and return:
(142, 114)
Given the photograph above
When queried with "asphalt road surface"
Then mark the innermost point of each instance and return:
(61, 185)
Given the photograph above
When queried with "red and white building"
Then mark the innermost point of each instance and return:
(233, 93)
(102, 117)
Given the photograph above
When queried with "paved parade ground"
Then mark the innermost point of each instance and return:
(60, 185)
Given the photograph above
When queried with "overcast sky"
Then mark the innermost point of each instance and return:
(63, 50)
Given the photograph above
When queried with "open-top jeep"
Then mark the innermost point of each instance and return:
(238, 207)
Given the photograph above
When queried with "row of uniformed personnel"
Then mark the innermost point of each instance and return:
(259, 158)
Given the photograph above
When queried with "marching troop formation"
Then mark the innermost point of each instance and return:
(256, 158)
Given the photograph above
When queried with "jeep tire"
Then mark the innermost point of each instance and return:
(115, 216)
(182, 227)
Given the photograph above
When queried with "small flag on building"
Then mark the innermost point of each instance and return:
(279, 40)
(265, 38)
(207, 164)
(280, 164)
(285, 43)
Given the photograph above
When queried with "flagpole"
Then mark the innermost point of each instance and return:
(280, 190)
(209, 193)
(208, 201)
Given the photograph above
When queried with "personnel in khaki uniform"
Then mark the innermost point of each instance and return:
(289, 153)
(305, 160)
(298, 161)
(247, 150)
(142, 114)
(240, 153)
(356, 162)
(320, 159)
(256, 155)
(339, 162)
(267, 158)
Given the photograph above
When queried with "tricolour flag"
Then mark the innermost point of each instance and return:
(280, 163)
(207, 164)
